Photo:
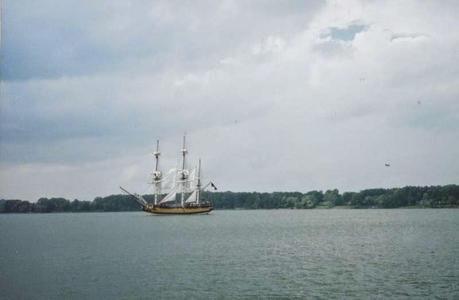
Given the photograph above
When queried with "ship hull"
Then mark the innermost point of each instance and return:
(178, 210)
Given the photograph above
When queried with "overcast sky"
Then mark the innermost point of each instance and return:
(273, 95)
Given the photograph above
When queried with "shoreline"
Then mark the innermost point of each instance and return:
(236, 209)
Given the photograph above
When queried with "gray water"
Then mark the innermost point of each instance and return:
(337, 253)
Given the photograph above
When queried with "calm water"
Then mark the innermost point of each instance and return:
(232, 254)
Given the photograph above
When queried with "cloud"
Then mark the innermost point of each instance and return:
(272, 96)
(74, 38)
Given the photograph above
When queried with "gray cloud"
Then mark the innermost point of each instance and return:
(273, 96)
(46, 39)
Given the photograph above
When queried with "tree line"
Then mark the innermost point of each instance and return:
(409, 196)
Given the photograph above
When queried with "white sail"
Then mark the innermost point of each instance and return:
(192, 178)
(192, 197)
(195, 177)
(170, 197)
(170, 179)
(187, 184)
(192, 174)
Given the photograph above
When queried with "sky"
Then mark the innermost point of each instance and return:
(273, 95)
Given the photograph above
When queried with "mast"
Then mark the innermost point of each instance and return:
(184, 175)
(198, 186)
(157, 174)
(156, 154)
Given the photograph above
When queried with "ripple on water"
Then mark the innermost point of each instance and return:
(232, 254)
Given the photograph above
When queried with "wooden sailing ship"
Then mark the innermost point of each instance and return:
(184, 195)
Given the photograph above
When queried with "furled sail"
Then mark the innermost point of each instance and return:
(187, 184)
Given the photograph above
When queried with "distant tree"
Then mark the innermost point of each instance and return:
(357, 200)
(347, 197)
(16, 206)
(331, 198)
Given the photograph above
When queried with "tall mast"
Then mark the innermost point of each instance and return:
(157, 173)
(198, 186)
(156, 154)
(184, 175)
(184, 151)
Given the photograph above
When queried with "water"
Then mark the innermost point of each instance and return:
(337, 253)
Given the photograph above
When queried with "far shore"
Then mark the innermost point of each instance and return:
(342, 207)
(408, 197)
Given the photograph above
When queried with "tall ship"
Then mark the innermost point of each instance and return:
(178, 192)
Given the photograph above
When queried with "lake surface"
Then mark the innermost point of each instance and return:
(335, 253)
